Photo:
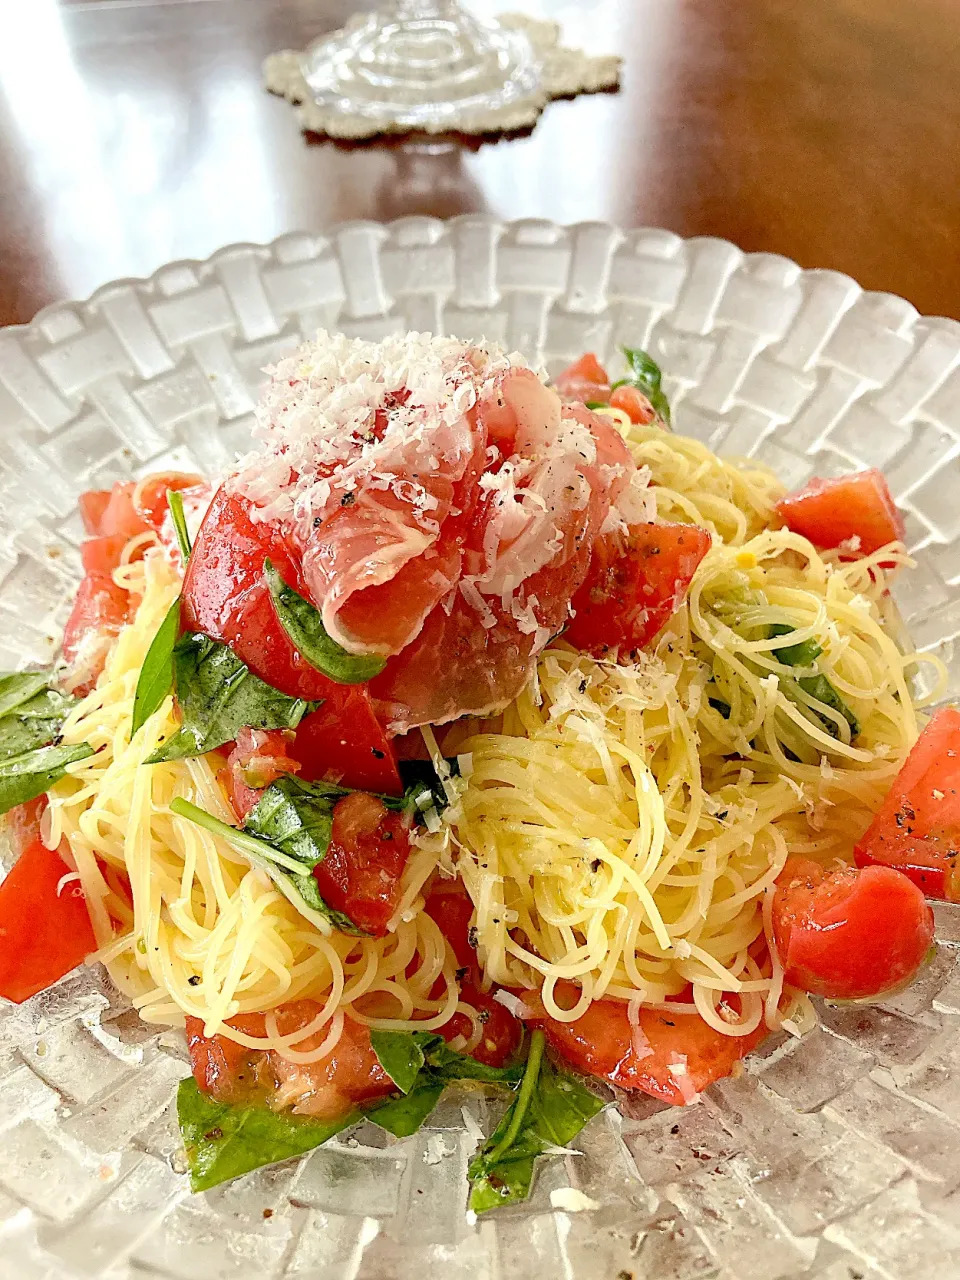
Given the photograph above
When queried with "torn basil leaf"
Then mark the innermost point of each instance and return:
(550, 1109)
(218, 696)
(292, 876)
(646, 376)
(34, 723)
(223, 1141)
(156, 675)
(18, 687)
(421, 1065)
(803, 654)
(304, 628)
(820, 688)
(296, 817)
(28, 775)
(423, 786)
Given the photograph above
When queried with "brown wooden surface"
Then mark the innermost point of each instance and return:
(136, 131)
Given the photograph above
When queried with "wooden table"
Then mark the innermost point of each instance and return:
(136, 131)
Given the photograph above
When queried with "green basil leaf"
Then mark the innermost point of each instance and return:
(803, 654)
(34, 723)
(296, 817)
(156, 675)
(218, 696)
(175, 503)
(596, 404)
(223, 1141)
(26, 776)
(403, 1116)
(422, 785)
(17, 687)
(448, 1065)
(401, 1054)
(305, 630)
(820, 688)
(299, 889)
(550, 1109)
(645, 375)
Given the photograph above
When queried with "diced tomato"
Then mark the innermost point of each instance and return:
(225, 596)
(634, 585)
(119, 516)
(585, 380)
(602, 1043)
(328, 1088)
(849, 934)
(102, 555)
(917, 828)
(93, 504)
(502, 1033)
(258, 757)
(448, 903)
(361, 873)
(150, 496)
(633, 403)
(832, 512)
(101, 608)
(23, 823)
(43, 934)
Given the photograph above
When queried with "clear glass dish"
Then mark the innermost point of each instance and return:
(837, 1156)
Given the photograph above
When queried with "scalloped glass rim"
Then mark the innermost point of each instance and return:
(833, 1156)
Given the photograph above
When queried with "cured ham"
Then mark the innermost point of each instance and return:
(444, 503)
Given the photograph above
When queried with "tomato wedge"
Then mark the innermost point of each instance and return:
(149, 498)
(43, 934)
(602, 1043)
(858, 509)
(917, 828)
(634, 585)
(100, 608)
(849, 934)
(102, 555)
(225, 596)
(585, 380)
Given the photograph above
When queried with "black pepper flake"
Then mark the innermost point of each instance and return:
(472, 938)
(377, 754)
(194, 980)
(583, 685)
(213, 1134)
(462, 973)
(596, 864)
(483, 1016)
(348, 500)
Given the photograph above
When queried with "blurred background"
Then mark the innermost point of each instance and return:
(133, 132)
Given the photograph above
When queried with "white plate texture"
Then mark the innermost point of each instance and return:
(835, 1157)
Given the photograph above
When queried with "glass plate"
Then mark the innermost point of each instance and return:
(834, 1157)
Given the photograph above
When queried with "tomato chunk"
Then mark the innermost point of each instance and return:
(149, 498)
(100, 609)
(448, 903)
(634, 404)
(258, 757)
(917, 828)
(328, 1088)
(93, 504)
(501, 1035)
(857, 509)
(102, 555)
(634, 585)
(225, 596)
(23, 823)
(585, 380)
(849, 934)
(361, 873)
(43, 934)
(602, 1043)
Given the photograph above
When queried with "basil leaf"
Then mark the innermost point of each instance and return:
(820, 688)
(422, 784)
(720, 706)
(156, 675)
(550, 1109)
(17, 687)
(175, 503)
(35, 723)
(400, 1053)
(305, 630)
(803, 654)
(298, 887)
(219, 695)
(596, 404)
(645, 375)
(403, 1116)
(223, 1141)
(296, 817)
(26, 776)
(421, 1065)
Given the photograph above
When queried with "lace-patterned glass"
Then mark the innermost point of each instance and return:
(421, 64)
(833, 1157)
